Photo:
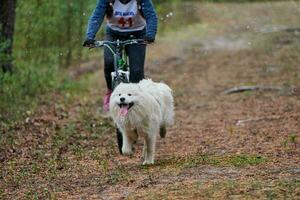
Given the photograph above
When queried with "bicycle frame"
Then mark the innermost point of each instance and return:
(121, 62)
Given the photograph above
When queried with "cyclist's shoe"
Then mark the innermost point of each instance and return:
(106, 101)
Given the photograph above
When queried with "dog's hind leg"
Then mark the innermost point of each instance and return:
(133, 137)
(119, 140)
(163, 131)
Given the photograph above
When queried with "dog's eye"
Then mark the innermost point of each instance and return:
(129, 94)
(119, 94)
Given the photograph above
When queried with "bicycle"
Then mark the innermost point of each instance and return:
(121, 61)
(121, 67)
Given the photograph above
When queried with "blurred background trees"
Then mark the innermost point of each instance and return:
(46, 38)
(52, 31)
(7, 20)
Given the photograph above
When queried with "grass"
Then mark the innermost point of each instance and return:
(28, 87)
(66, 149)
(18, 91)
(290, 142)
(50, 167)
(17, 117)
(192, 161)
(227, 189)
(120, 173)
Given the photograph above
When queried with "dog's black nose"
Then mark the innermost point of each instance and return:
(122, 99)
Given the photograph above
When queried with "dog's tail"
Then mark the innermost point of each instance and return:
(162, 131)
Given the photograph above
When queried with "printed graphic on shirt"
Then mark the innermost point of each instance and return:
(124, 14)
(123, 21)
(126, 17)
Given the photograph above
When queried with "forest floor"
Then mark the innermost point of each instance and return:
(244, 145)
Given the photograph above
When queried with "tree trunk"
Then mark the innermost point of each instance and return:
(68, 21)
(7, 21)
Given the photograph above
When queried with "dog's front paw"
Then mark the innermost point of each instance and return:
(148, 162)
(127, 151)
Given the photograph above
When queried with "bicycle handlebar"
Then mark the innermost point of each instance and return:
(102, 43)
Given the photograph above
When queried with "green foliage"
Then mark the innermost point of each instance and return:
(291, 141)
(3, 45)
(245, 160)
(48, 36)
(18, 91)
(51, 30)
(215, 1)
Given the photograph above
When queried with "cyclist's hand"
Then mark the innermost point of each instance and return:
(89, 43)
(149, 40)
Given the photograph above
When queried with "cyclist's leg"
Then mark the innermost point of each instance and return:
(108, 69)
(108, 64)
(136, 54)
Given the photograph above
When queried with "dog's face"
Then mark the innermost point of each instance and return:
(124, 98)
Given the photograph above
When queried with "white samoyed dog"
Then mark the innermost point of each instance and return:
(142, 109)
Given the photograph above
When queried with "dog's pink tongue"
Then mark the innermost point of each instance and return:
(123, 111)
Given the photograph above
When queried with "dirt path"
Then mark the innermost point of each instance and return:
(244, 145)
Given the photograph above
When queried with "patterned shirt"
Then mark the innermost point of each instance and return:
(126, 17)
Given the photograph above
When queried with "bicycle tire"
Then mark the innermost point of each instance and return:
(119, 140)
(117, 80)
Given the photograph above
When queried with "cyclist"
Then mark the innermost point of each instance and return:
(126, 19)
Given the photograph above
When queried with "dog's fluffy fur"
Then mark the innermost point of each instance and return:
(143, 109)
